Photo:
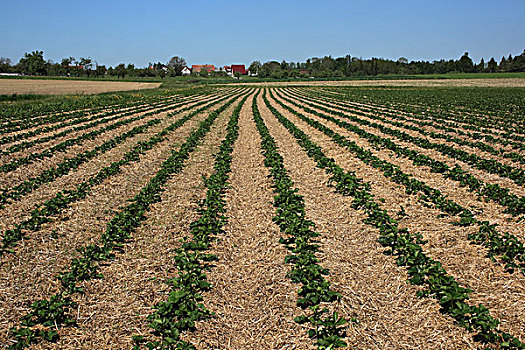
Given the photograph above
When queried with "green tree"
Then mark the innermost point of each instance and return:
(5, 65)
(33, 63)
(130, 70)
(177, 63)
(100, 70)
(254, 67)
(120, 70)
(492, 66)
(86, 64)
(465, 64)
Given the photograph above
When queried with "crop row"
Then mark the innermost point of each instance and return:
(47, 211)
(63, 168)
(502, 106)
(422, 120)
(505, 246)
(514, 205)
(489, 165)
(45, 129)
(406, 247)
(51, 128)
(327, 328)
(184, 306)
(41, 323)
(26, 123)
(484, 124)
(64, 145)
(70, 104)
(97, 121)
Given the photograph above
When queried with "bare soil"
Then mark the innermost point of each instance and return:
(503, 82)
(62, 87)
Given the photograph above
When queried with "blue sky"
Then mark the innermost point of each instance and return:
(225, 32)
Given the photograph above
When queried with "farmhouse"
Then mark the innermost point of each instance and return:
(197, 68)
(238, 68)
(185, 71)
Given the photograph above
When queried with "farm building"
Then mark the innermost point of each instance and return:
(197, 68)
(238, 68)
(185, 71)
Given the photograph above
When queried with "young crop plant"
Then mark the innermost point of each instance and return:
(407, 248)
(327, 328)
(70, 164)
(93, 121)
(506, 247)
(118, 231)
(184, 305)
(376, 113)
(47, 211)
(488, 165)
(514, 205)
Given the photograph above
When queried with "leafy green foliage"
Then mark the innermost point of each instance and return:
(184, 305)
(121, 227)
(328, 329)
(407, 249)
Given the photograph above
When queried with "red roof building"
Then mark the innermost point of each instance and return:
(239, 68)
(196, 68)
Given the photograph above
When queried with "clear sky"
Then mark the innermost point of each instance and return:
(226, 32)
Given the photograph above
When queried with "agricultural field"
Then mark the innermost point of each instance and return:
(60, 87)
(265, 217)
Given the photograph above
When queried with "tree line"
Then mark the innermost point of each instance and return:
(353, 66)
(34, 64)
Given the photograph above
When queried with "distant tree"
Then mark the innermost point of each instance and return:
(492, 66)
(518, 65)
(254, 67)
(5, 65)
(161, 73)
(86, 64)
(120, 70)
(503, 64)
(100, 70)
(177, 63)
(402, 60)
(130, 70)
(33, 63)
(465, 64)
(479, 68)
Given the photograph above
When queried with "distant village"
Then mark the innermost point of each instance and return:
(232, 71)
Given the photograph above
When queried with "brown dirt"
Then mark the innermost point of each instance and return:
(252, 298)
(482, 175)
(502, 293)
(116, 307)
(485, 210)
(42, 256)
(507, 82)
(374, 289)
(61, 87)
